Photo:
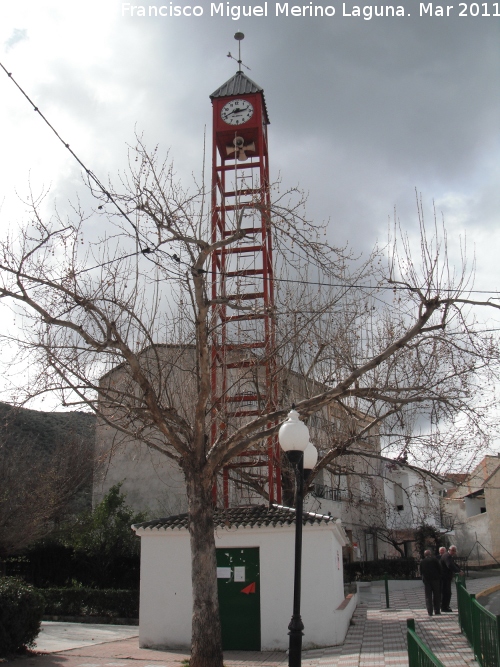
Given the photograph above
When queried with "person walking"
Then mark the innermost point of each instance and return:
(430, 571)
(449, 570)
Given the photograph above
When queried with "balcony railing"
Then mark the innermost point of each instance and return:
(328, 493)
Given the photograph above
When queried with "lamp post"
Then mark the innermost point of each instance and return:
(302, 454)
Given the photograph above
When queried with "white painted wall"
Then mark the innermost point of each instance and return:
(474, 506)
(420, 498)
(165, 595)
(165, 601)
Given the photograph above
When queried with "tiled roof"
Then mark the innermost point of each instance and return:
(239, 84)
(250, 516)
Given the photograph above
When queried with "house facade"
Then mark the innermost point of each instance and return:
(474, 505)
(413, 498)
(352, 489)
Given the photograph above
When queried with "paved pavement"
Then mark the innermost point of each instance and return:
(55, 636)
(376, 638)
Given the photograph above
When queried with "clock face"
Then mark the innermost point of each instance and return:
(236, 112)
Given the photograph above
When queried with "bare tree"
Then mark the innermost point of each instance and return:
(86, 308)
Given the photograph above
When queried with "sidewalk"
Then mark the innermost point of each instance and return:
(376, 638)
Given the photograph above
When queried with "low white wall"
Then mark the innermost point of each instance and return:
(342, 616)
(165, 599)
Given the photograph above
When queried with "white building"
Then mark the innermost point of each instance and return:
(255, 559)
(413, 498)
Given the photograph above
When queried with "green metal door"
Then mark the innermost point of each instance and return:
(238, 584)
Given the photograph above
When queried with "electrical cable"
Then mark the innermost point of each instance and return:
(89, 172)
(390, 288)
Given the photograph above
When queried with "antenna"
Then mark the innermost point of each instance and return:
(238, 36)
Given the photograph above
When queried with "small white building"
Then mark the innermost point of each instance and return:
(255, 567)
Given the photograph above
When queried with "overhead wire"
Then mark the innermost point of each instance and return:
(146, 249)
(346, 285)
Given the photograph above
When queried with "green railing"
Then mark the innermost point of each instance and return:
(464, 604)
(480, 626)
(419, 655)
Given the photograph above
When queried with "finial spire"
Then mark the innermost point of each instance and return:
(238, 36)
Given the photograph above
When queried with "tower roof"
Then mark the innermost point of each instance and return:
(240, 84)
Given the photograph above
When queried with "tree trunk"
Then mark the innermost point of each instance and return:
(399, 549)
(206, 643)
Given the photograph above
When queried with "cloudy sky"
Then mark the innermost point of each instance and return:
(362, 111)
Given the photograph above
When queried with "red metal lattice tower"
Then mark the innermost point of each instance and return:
(243, 378)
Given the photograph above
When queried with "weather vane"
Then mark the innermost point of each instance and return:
(238, 36)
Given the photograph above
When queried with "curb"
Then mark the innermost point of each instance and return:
(488, 591)
(96, 620)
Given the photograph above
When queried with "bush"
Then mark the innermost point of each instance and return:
(98, 550)
(52, 565)
(21, 610)
(427, 537)
(91, 602)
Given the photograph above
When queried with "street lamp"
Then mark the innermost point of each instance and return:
(302, 454)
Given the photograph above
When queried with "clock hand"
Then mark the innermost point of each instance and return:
(237, 110)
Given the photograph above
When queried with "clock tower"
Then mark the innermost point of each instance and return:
(244, 383)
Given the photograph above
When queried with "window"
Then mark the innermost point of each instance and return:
(408, 549)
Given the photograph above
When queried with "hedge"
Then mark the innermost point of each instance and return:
(21, 610)
(49, 565)
(395, 568)
(91, 602)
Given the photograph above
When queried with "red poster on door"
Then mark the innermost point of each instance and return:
(248, 589)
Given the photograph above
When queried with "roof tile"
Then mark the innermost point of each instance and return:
(234, 517)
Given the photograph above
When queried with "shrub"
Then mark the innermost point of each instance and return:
(21, 610)
(51, 565)
(91, 602)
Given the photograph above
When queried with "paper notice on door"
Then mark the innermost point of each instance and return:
(239, 573)
(223, 573)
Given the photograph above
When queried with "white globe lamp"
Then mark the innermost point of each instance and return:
(310, 457)
(293, 436)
